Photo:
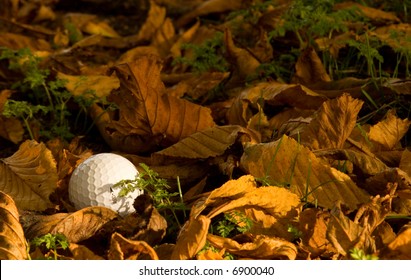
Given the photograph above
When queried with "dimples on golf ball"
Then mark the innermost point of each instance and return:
(91, 182)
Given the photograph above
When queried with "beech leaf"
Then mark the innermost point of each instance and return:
(84, 223)
(256, 246)
(147, 113)
(13, 245)
(287, 163)
(29, 176)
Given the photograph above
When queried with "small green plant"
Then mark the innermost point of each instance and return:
(311, 19)
(359, 254)
(158, 188)
(43, 95)
(208, 246)
(233, 222)
(51, 243)
(207, 56)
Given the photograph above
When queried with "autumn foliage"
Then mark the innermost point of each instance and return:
(270, 149)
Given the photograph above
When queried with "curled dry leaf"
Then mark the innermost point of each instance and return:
(310, 69)
(13, 245)
(147, 113)
(29, 176)
(122, 248)
(155, 18)
(192, 238)
(332, 124)
(344, 233)
(255, 246)
(285, 162)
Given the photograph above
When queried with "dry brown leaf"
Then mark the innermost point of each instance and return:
(210, 254)
(273, 200)
(122, 248)
(192, 238)
(197, 85)
(255, 246)
(285, 162)
(155, 18)
(309, 69)
(84, 223)
(100, 28)
(313, 226)
(209, 6)
(15, 42)
(147, 114)
(332, 124)
(81, 252)
(164, 38)
(265, 223)
(244, 63)
(35, 225)
(377, 15)
(29, 176)
(367, 164)
(385, 34)
(400, 247)
(386, 134)
(345, 234)
(13, 245)
(205, 144)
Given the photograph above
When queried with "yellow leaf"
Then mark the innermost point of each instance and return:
(100, 28)
(29, 176)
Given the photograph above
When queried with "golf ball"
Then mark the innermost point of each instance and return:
(91, 183)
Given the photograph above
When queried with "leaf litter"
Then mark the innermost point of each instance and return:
(281, 128)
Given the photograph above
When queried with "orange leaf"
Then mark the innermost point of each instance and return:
(285, 162)
(122, 248)
(386, 134)
(256, 246)
(309, 69)
(29, 176)
(191, 239)
(13, 245)
(81, 252)
(400, 247)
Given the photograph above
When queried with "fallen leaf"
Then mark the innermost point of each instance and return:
(386, 134)
(122, 248)
(332, 123)
(81, 252)
(205, 144)
(146, 112)
(13, 244)
(84, 223)
(192, 238)
(309, 68)
(400, 247)
(287, 163)
(29, 176)
(255, 246)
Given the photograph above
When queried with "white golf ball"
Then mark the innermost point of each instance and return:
(91, 183)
